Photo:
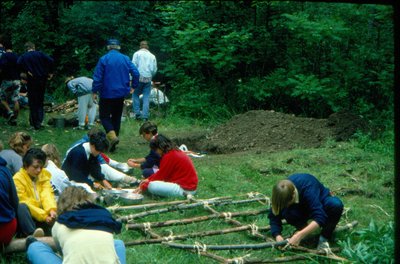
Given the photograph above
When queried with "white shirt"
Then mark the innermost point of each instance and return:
(145, 62)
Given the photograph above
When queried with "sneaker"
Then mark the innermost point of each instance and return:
(324, 246)
(10, 116)
(79, 128)
(124, 167)
(29, 240)
(38, 232)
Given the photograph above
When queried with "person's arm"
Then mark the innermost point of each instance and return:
(276, 226)
(135, 75)
(298, 236)
(98, 76)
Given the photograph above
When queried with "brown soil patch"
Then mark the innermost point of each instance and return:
(270, 131)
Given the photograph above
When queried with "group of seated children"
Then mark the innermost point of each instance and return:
(28, 198)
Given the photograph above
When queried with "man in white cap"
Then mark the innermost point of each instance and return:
(111, 81)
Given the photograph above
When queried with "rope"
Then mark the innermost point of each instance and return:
(199, 247)
(147, 227)
(227, 215)
(240, 260)
(254, 229)
(170, 237)
(345, 211)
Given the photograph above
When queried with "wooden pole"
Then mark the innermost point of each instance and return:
(187, 206)
(196, 234)
(192, 220)
(113, 209)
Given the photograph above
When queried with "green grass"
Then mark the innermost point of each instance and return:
(363, 166)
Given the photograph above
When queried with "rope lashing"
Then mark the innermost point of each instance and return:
(170, 237)
(227, 215)
(199, 247)
(147, 227)
(254, 229)
(240, 260)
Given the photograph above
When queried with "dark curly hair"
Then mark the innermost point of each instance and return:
(162, 142)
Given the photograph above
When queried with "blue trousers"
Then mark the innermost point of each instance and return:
(333, 207)
(41, 253)
(145, 89)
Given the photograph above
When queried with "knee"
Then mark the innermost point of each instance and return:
(336, 206)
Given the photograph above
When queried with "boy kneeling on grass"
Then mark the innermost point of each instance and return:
(301, 198)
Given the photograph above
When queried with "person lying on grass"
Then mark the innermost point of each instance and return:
(176, 177)
(299, 198)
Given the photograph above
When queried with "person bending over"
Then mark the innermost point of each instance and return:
(299, 199)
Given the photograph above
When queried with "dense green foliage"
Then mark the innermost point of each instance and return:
(221, 57)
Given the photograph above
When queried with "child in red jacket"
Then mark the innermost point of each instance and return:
(176, 177)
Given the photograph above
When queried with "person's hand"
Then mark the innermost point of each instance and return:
(97, 186)
(295, 239)
(107, 185)
(51, 217)
(94, 97)
(50, 76)
(137, 190)
(279, 238)
(131, 91)
(133, 163)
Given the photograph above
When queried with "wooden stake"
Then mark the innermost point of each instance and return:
(192, 220)
(188, 206)
(196, 234)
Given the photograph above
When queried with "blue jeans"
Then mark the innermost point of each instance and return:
(145, 89)
(41, 253)
(167, 189)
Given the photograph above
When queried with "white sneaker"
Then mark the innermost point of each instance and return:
(325, 247)
(38, 232)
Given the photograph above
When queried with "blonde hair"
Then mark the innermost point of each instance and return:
(18, 140)
(52, 153)
(282, 195)
(72, 198)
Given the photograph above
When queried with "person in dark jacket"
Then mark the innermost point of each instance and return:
(10, 86)
(151, 163)
(38, 66)
(81, 162)
(111, 79)
(299, 199)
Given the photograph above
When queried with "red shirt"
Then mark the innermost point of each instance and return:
(175, 167)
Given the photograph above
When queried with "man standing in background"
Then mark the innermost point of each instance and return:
(146, 63)
(38, 66)
(111, 80)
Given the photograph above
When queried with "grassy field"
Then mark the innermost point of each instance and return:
(360, 172)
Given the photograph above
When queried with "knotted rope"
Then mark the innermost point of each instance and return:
(199, 247)
(227, 215)
(147, 227)
(170, 237)
(254, 229)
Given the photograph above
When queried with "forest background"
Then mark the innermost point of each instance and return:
(221, 58)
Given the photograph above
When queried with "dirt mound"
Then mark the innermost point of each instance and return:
(270, 131)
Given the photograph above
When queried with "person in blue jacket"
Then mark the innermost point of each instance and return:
(298, 199)
(111, 80)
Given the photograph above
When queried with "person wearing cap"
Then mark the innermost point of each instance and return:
(111, 80)
(146, 62)
(82, 88)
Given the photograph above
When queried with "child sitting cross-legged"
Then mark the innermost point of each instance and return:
(176, 177)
